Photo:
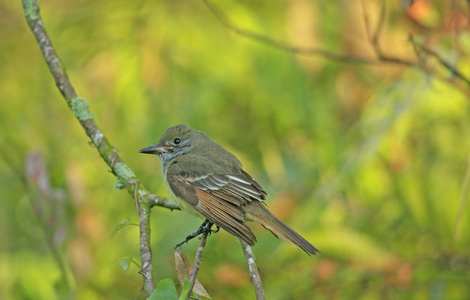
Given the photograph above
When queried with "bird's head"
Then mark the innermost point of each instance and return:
(177, 140)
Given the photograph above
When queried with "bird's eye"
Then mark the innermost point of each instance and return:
(177, 141)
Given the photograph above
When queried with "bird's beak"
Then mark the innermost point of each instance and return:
(155, 149)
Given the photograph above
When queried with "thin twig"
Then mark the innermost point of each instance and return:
(459, 85)
(145, 274)
(154, 200)
(346, 58)
(254, 273)
(374, 37)
(343, 57)
(197, 262)
(441, 61)
(380, 25)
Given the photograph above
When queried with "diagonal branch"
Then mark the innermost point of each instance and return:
(126, 177)
(197, 262)
(345, 57)
(441, 61)
(79, 107)
(254, 273)
(341, 57)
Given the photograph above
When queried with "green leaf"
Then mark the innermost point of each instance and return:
(124, 223)
(165, 290)
(185, 290)
(125, 263)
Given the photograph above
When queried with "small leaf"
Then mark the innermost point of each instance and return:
(165, 290)
(124, 223)
(183, 272)
(185, 290)
(183, 267)
(200, 290)
(125, 263)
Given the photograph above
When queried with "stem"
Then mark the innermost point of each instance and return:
(254, 273)
(143, 208)
(197, 262)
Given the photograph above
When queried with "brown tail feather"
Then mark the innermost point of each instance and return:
(258, 212)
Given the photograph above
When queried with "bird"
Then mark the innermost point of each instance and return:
(209, 182)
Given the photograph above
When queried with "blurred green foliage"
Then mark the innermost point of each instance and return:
(367, 162)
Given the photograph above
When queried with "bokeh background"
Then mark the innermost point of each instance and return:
(368, 162)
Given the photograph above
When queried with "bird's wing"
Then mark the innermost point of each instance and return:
(237, 189)
(220, 198)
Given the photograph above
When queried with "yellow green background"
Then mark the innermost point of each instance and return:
(367, 162)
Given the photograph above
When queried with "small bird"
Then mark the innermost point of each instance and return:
(206, 180)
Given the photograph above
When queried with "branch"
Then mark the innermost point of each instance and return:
(374, 38)
(197, 262)
(441, 61)
(254, 274)
(79, 107)
(346, 58)
(145, 249)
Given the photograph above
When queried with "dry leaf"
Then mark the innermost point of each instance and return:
(183, 268)
(183, 272)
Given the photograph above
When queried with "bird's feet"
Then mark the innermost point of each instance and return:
(206, 226)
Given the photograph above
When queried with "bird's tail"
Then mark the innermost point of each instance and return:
(259, 213)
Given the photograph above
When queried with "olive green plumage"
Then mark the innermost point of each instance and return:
(208, 181)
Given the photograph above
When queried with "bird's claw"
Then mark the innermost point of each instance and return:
(206, 226)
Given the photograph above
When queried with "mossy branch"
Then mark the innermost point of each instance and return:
(126, 178)
(79, 107)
